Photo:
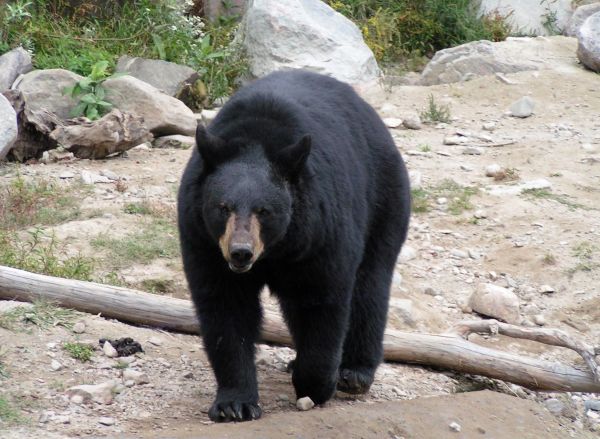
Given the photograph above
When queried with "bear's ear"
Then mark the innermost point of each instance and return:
(291, 159)
(211, 148)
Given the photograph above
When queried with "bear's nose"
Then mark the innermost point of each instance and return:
(241, 254)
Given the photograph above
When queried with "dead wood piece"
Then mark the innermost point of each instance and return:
(449, 351)
(549, 336)
(115, 132)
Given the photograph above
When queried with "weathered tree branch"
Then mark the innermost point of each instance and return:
(450, 351)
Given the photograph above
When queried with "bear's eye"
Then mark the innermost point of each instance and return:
(261, 211)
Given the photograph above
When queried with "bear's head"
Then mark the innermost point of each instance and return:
(247, 198)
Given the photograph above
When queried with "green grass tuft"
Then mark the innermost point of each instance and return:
(436, 112)
(79, 351)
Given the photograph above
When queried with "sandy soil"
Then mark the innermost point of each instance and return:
(521, 242)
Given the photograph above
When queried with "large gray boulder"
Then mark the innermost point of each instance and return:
(531, 17)
(166, 76)
(8, 126)
(466, 61)
(13, 64)
(579, 16)
(43, 90)
(163, 114)
(306, 34)
(480, 58)
(588, 50)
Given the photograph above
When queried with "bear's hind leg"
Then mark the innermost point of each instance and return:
(363, 345)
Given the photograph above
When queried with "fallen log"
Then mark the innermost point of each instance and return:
(449, 351)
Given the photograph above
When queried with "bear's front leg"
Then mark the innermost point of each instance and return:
(318, 332)
(230, 321)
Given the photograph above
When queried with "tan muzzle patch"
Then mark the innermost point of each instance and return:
(241, 233)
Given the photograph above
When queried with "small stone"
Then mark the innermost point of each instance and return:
(412, 123)
(493, 170)
(539, 320)
(392, 122)
(51, 346)
(105, 420)
(407, 254)
(65, 175)
(136, 376)
(455, 426)
(209, 115)
(474, 254)
(61, 419)
(459, 254)
(55, 365)
(45, 417)
(129, 383)
(283, 397)
(523, 107)
(305, 404)
(442, 200)
(416, 179)
(480, 214)
(546, 289)
(100, 393)
(155, 341)
(171, 180)
(109, 174)
(592, 404)
(188, 375)
(497, 302)
(489, 126)
(472, 150)
(555, 406)
(109, 350)
(79, 328)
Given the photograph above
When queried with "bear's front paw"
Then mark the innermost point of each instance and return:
(234, 411)
(320, 388)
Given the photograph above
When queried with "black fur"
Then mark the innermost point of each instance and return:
(318, 167)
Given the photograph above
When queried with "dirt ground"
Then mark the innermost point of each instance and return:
(521, 241)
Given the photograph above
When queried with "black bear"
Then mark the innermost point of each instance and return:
(297, 185)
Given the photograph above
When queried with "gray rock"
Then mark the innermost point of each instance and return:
(105, 420)
(478, 58)
(43, 89)
(403, 310)
(208, 115)
(588, 38)
(109, 350)
(305, 403)
(306, 34)
(493, 170)
(392, 122)
(555, 406)
(593, 404)
(459, 254)
(407, 254)
(455, 426)
(547, 289)
(523, 107)
(162, 114)
(489, 126)
(79, 328)
(100, 393)
(579, 17)
(416, 179)
(531, 16)
(539, 320)
(174, 141)
(55, 365)
(135, 376)
(166, 76)
(497, 302)
(8, 126)
(412, 123)
(12, 64)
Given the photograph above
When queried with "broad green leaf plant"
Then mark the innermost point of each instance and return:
(91, 93)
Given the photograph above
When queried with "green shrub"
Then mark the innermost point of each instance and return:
(396, 28)
(76, 38)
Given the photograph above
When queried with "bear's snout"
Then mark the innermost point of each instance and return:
(241, 243)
